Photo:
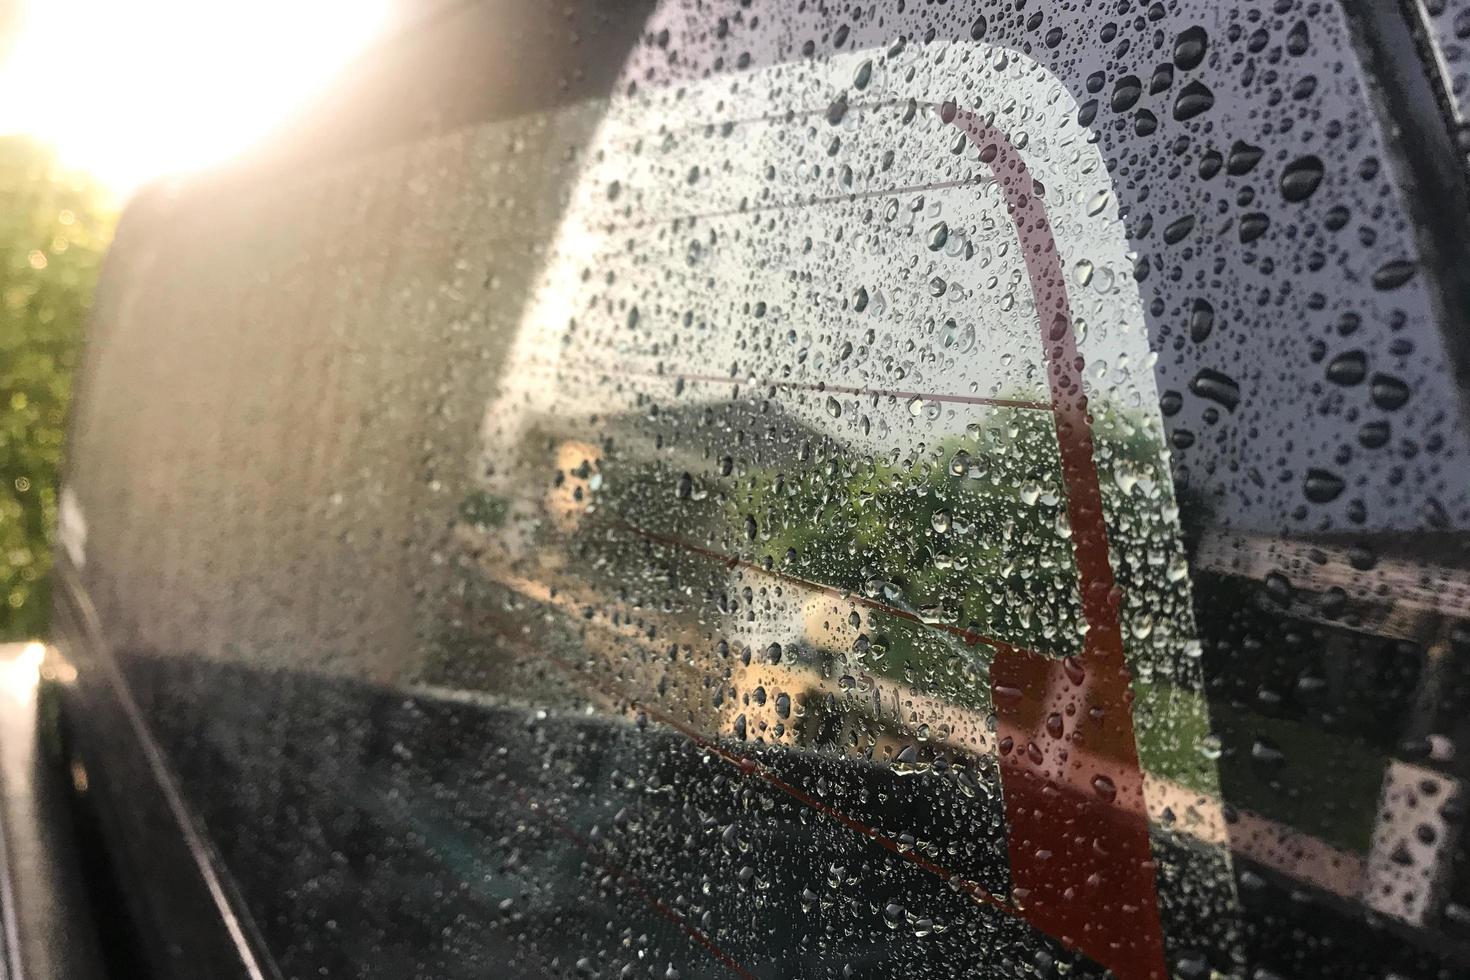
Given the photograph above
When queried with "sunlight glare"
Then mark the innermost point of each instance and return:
(134, 91)
(19, 674)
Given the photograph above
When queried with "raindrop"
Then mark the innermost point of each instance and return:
(1394, 274)
(1348, 368)
(1266, 753)
(1189, 48)
(837, 110)
(1179, 229)
(1300, 178)
(1201, 321)
(1243, 158)
(1388, 392)
(1375, 434)
(1162, 79)
(1298, 39)
(1217, 387)
(1195, 99)
(1253, 226)
(1211, 747)
(1323, 486)
(1126, 93)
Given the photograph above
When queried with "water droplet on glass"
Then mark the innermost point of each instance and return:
(1194, 99)
(1348, 368)
(1179, 229)
(1189, 48)
(1201, 321)
(1388, 393)
(1126, 93)
(1217, 387)
(1322, 486)
(1300, 178)
(1392, 275)
(1243, 158)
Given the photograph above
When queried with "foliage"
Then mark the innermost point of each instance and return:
(971, 534)
(54, 227)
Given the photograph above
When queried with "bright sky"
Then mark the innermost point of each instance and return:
(135, 89)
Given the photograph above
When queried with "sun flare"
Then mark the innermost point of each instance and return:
(133, 91)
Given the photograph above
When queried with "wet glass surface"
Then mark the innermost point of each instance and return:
(969, 489)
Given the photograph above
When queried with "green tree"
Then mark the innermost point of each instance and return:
(54, 227)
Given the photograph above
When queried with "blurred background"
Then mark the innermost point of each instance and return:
(98, 100)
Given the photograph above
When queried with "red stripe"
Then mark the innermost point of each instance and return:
(1081, 866)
